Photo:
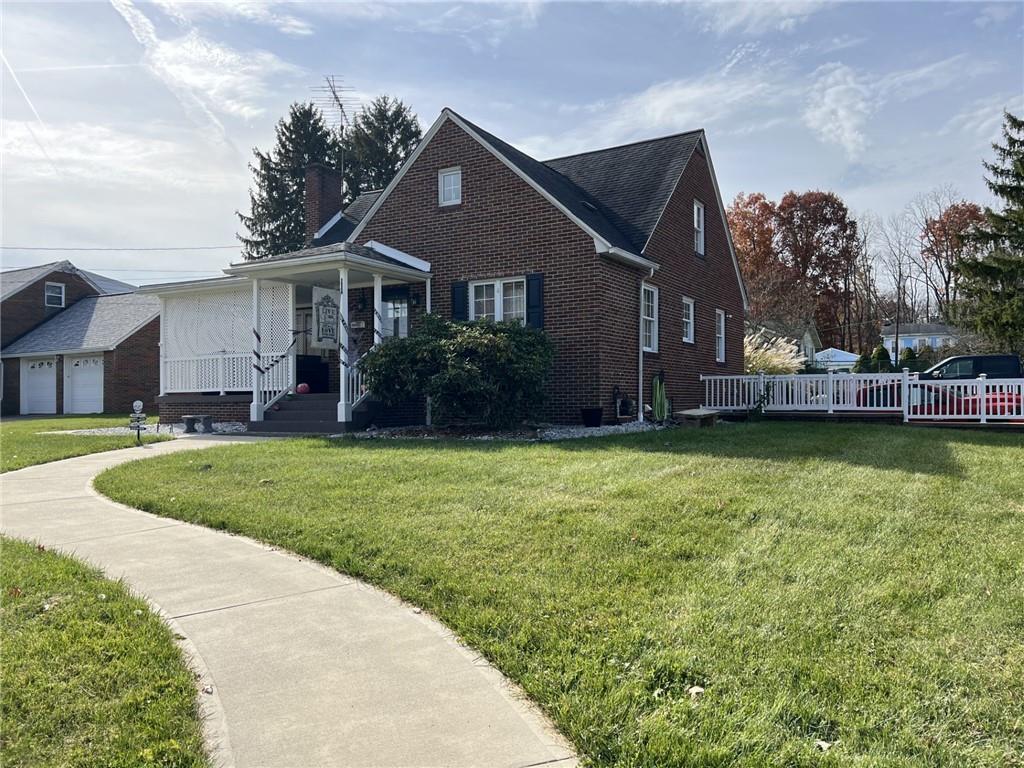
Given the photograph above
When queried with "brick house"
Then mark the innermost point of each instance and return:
(75, 342)
(621, 255)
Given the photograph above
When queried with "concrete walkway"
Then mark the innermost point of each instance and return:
(308, 667)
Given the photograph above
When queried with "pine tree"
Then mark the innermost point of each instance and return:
(277, 219)
(880, 360)
(382, 136)
(993, 286)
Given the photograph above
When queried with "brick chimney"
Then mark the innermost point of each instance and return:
(323, 197)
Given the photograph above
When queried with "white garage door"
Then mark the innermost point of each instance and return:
(83, 384)
(38, 385)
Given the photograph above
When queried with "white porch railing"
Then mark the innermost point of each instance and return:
(357, 391)
(227, 372)
(981, 399)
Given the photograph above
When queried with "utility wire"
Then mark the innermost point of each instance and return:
(162, 248)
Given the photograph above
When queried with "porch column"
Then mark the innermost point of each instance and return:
(292, 379)
(428, 296)
(378, 309)
(344, 404)
(256, 407)
(163, 346)
(428, 415)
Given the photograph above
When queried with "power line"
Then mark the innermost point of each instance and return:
(86, 248)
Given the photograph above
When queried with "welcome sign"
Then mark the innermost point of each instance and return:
(326, 306)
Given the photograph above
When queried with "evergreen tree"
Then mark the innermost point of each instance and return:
(880, 360)
(277, 219)
(382, 136)
(993, 286)
(863, 364)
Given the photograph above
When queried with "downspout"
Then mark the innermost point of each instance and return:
(640, 363)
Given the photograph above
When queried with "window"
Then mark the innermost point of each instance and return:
(449, 186)
(934, 342)
(720, 335)
(396, 318)
(688, 319)
(54, 295)
(649, 318)
(698, 227)
(499, 300)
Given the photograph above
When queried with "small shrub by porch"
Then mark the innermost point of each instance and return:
(479, 372)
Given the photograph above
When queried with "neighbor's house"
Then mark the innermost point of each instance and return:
(803, 334)
(837, 360)
(917, 336)
(75, 342)
(621, 255)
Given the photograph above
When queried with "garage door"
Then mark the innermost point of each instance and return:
(38, 385)
(83, 384)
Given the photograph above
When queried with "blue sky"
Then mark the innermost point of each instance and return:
(129, 124)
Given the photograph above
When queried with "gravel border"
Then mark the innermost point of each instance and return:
(174, 430)
(543, 434)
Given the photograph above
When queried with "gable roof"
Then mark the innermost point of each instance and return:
(923, 329)
(340, 227)
(14, 280)
(633, 182)
(92, 324)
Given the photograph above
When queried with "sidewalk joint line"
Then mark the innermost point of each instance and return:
(175, 524)
(261, 600)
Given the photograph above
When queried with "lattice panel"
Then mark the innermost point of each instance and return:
(208, 323)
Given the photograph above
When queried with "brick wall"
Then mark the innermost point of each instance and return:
(221, 407)
(12, 387)
(322, 197)
(26, 309)
(710, 280)
(502, 228)
(132, 371)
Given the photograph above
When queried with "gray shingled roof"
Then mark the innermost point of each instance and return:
(633, 181)
(13, 280)
(911, 329)
(90, 324)
(353, 214)
(326, 250)
(619, 192)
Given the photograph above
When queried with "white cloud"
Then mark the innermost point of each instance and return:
(839, 106)
(264, 13)
(995, 14)
(207, 77)
(756, 18)
(483, 26)
(110, 157)
(982, 120)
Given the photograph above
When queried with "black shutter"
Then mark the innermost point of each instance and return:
(535, 300)
(460, 301)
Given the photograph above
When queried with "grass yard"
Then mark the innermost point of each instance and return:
(855, 585)
(22, 445)
(88, 675)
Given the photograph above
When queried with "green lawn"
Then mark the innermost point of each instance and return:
(860, 585)
(22, 445)
(88, 675)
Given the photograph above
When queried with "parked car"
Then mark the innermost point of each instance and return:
(972, 366)
(938, 400)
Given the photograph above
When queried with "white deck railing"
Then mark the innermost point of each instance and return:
(980, 399)
(223, 372)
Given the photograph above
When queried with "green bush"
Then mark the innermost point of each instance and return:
(863, 364)
(880, 360)
(907, 356)
(481, 372)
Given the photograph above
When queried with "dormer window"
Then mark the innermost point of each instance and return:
(53, 295)
(449, 186)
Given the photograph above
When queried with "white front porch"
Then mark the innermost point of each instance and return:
(249, 332)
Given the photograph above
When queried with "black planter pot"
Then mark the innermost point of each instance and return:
(592, 417)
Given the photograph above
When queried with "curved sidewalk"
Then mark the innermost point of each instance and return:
(308, 667)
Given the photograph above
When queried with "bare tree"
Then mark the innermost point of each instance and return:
(900, 264)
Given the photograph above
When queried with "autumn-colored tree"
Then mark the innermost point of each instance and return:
(945, 242)
(816, 238)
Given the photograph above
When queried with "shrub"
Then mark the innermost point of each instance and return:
(880, 360)
(863, 364)
(481, 372)
(766, 353)
(907, 356)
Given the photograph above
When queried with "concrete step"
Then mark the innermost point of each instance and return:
(324, 414)
(296, 427)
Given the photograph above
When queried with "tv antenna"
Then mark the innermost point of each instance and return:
(337, 102)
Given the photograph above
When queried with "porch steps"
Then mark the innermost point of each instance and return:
(315, 414)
